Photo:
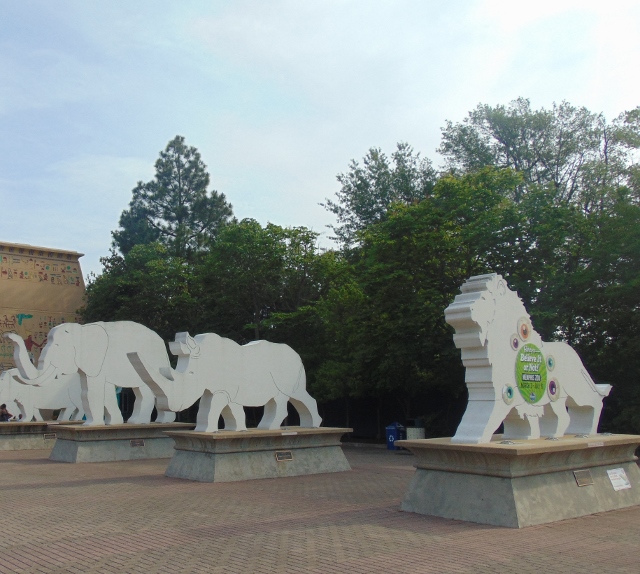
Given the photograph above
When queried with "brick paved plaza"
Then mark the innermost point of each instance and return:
(127, 517)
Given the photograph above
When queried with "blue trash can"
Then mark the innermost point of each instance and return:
(395, 431)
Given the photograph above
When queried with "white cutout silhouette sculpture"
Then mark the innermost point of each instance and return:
(98, 353)
(227, 377)
(63, 393)
(6, 393)
(512, 375)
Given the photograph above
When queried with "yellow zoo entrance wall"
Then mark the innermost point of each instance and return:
(40, 288)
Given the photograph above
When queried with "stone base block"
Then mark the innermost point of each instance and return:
(525, 482)
(27, 435)
(105, 443)
(226, 456)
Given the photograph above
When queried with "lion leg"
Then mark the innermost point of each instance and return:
(143, 405)
(275, 411)
(211, 407)
(521, 425)
(307, 408)
(597, 411)
(480, 421)
(555, 420)
(584, 418)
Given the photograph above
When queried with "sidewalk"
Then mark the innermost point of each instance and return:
(127, 517)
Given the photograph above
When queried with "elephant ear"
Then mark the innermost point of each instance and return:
(91, 343)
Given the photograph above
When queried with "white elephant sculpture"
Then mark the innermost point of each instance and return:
(6, 394)
(512, 375)
(64, 393)
(97, 352)
(226, 377)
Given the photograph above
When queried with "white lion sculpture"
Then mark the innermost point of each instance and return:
(512, 375)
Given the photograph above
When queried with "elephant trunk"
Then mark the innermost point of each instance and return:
(27, 373)
(21, 356)
(165, 383)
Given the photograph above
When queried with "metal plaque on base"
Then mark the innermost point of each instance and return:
(226, 456)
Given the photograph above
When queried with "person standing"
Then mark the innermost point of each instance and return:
(5, 415)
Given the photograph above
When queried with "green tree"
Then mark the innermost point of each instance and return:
(135, 229)
(603, 294)
(174, 208)
(253, 272)
(148, 286)
(369, 189)
(577, 152)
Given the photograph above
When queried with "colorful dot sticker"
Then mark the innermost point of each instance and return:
(553, 389)
(508, 394)
(551, 362)
(524, 328)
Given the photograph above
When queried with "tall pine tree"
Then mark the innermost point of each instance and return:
(174, 208)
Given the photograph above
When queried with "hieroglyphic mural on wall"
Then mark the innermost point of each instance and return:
(39, 289)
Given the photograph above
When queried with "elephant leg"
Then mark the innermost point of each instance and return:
(65, 413)
(93, 399)
(143, 405)
(211, 407)
(275, 411)
(78, 413)
(234, 417)
(112, 414)
(307, 408)
(165, 416)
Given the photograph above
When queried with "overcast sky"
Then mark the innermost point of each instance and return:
(278, 96)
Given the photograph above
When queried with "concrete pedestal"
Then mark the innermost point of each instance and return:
(226, 456)
(106, 443)
(27, 435)
(522, 483)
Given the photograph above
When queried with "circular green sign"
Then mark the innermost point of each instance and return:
(531, 373)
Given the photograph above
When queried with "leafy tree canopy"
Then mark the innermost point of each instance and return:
(253, 272)
(369, 189)
(149, 286)
(571, 149)
(174, 208)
